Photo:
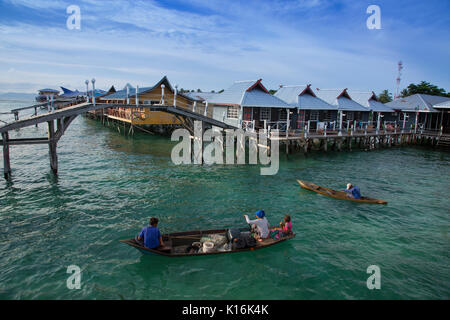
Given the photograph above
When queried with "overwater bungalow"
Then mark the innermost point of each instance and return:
(350, 112)
(310, 112)
(381, 114)
(162, 93)
(420, 111)
(46, 95)
(249, 105)
(444, 108)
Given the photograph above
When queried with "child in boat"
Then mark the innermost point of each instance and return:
(353, 191)
(151, 235)
(284, 230)
(260, 224)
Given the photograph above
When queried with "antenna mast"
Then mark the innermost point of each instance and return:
(399, 78)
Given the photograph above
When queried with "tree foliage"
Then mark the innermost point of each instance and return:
(385, 96)
(424, 88)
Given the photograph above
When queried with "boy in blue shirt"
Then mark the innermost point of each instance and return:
(151, 235)
(353, 191)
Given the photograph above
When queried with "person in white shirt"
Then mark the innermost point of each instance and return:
(261, 224)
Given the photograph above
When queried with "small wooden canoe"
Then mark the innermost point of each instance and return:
(342, 195)
(177, 243)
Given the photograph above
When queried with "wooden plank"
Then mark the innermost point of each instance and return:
(16, 142)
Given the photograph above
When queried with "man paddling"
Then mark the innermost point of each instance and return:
(151, 236)
(353, 191)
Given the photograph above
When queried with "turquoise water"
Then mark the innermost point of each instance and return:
(109, 185)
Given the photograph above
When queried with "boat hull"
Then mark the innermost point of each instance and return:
(341, 195)
(169, 237)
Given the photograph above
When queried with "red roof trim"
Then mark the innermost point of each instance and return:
(258, 84)
(308, 89)
(344, 93)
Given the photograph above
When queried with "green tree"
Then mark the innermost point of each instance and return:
(272, 92)
(385, 96)
(424, 88)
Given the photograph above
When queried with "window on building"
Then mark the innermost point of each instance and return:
(350, 115)
(283, 115)
(233, 112)
(327, 116)
(314, 116)
(403, 115)
(264, 114)
(151, 102)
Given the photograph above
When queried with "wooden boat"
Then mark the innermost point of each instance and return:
(177, 243)
(342, 195)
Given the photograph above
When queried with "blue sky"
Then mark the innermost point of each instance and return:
(210, 44)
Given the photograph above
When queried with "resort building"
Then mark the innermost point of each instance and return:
(381, 115)
(350, 112)
(162, 93)
(310, 111)
(46, 95)
(249, 105)
(421, 111)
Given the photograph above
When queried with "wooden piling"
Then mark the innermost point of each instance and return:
(6, 160)
(52, 147)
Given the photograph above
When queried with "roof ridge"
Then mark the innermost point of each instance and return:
(294, 86)
(241, 81)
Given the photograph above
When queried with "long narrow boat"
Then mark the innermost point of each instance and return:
(342, 195)
(177, 243)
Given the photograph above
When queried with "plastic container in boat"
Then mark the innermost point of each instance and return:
(208, 246)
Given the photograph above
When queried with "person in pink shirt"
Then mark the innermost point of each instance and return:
(285, 230)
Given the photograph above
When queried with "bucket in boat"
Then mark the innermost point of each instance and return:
(208, 246)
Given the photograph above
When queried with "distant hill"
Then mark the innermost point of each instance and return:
(17, 96)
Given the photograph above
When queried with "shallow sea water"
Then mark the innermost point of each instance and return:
(109, 185)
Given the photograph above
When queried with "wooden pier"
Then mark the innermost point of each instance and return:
(59, 120)
(362, 140)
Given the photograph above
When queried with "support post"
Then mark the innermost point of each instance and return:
(137, 96)
(206, 109)
(175, 97)
(162, 94)
(378, 122)
(6, 161)
(52, 147)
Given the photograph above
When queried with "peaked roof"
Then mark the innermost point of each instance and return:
(303, 97)
(249, 93)
(340, 98)
(69, 93)
(122, 94)
(369, 99)
(417, 102)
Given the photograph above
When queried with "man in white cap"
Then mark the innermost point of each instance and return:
(353, 191)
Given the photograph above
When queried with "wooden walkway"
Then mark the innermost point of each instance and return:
(59, 120)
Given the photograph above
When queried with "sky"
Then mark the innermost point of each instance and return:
(210, 44)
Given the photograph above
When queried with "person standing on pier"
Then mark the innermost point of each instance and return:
(353, 191)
